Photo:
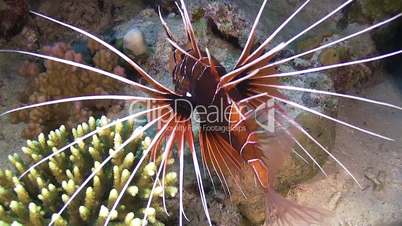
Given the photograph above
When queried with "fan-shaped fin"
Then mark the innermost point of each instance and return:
(283, 212)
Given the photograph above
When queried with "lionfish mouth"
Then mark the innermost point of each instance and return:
(249, 90)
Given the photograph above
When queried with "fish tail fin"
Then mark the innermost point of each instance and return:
(283, 212)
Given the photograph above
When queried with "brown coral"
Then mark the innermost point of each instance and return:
(13, 16)
(345, 79)
(92, 15)
(227, 21)
(29, 69)
(60, 81)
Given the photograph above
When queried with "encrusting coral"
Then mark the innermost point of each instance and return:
(227, 21)
(59, 81)
(33, 199)
(92, 15)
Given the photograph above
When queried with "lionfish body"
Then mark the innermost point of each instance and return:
(227, 144)
(198, 80)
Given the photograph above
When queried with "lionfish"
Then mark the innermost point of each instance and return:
(249, 91)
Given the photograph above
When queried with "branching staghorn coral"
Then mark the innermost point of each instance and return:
(34, 198)
(60, 81)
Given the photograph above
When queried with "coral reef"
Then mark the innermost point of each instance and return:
(13, 16)
(59, 81)
(227, 21)
(91, 15)
(377, 10)
(346, 78)
(166, 6)
(29, 69)
(355, 76)
(33, 199)
(33, 32)
(354, 203)
(222, 210)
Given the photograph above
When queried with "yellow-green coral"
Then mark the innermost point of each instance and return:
(35, 198)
